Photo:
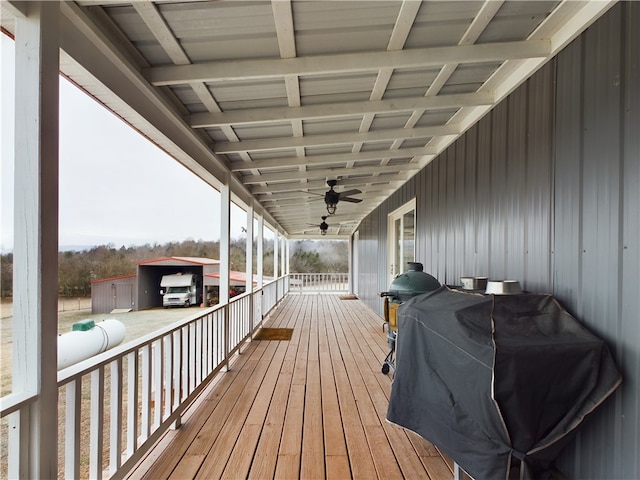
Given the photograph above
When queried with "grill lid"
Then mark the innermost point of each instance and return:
(413, 282)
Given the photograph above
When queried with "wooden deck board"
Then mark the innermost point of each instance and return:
(312, 407)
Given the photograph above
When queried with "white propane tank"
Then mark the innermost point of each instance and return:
(88, 339)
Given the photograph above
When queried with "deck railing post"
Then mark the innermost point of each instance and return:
(115, 416)
(96, 424)
(174, 359)
(133, 372)
(227, 339)
(18, 435)
(72, 429)
(250, 313)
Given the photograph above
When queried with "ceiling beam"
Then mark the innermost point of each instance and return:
(16, 8)
(327, 172)
(295, 197)
(332, 159)
(284, 143)
(161, 31)
(292, 204)
(295, 185)
(230, 71)
(288, 217)
(332, 110)
(328, 236)
(478, 25)
(283, 18)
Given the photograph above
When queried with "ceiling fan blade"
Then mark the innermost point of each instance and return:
(350, 199)
(348, 193)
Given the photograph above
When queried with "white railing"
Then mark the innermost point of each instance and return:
(318, 282)
(113, 407)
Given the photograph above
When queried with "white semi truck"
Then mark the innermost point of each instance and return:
(178, 290)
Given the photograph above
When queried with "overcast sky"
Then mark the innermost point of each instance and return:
(115, 186)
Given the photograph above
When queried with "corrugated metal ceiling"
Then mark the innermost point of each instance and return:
(287, 94)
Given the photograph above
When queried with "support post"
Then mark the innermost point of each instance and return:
(285, 255)
(350, 265)
(225, 233)
(260, 262)
(287, 270)
(35, 281)
(260, 252)
(276, 254)
(249, 264)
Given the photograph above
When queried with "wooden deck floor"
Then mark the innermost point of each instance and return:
(312, 407)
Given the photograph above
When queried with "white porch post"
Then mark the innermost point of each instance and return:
(225, 233)
(288, 257)
(249, 263)
(350, 264)
(276, 259)
(260, 263)
(35, 280)
(354, 265)
(276, 247)
(260, 251)
(284, 261)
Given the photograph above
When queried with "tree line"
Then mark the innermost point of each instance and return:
(76, 269)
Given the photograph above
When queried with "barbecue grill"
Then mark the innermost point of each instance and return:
(405, 286)
(499, 383)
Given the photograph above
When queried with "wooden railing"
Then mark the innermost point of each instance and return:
(319, 282)
(113, 407)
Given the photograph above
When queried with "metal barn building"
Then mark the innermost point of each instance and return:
(150, 273)
(142, 290)
(108, 294)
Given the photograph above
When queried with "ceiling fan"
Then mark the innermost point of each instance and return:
(324, 226)
(331, 198)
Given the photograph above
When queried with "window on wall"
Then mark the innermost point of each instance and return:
(402, 235)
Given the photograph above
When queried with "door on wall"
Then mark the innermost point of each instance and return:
(123, 296)
(402, 238)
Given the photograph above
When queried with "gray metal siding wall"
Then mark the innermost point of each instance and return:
(545, 190)
(484, 205)
(597, 217)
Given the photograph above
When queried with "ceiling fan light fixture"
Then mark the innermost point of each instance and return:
(331, 208)
(323, 232)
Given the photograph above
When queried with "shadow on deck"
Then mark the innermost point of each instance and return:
(310, 407)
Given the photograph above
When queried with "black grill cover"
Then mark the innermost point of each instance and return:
(488, 377)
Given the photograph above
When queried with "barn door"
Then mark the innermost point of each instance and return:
(124, 296)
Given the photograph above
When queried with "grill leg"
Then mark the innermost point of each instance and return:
(388, 363)
(459, 473)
